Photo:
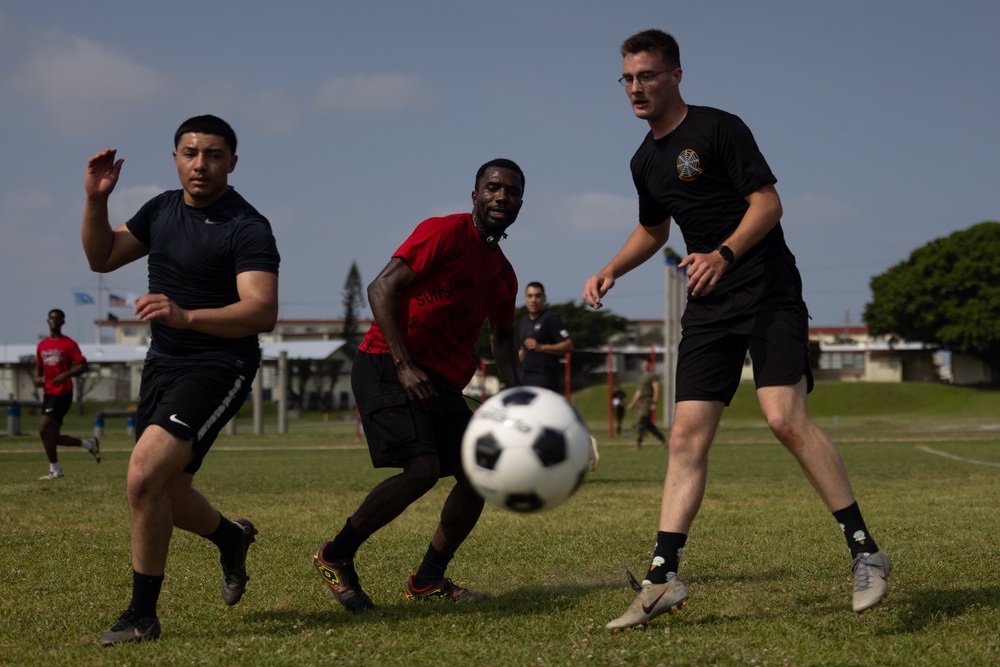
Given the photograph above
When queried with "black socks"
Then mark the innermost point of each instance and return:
(666, 556)
(345, 545)
(226, 536)
(432, 568)
(855, 531)
(145, 593)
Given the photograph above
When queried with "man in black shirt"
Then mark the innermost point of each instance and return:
(701, 167)
(544, 340)
(213, 287)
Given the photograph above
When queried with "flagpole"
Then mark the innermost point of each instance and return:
(100, 305)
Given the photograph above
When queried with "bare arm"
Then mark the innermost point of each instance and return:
(74, 371)
(556, 349)
(505, 352)
(382, 298)
(255, 312)
(635, 399)
(705, 269)
(640, 246)
(106, 249)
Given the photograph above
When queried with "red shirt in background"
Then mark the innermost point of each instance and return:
(55, 356)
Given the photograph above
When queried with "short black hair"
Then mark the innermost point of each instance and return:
(656, 41)
(502, 163)
(537, 285)
(56, 310)
(207, 124)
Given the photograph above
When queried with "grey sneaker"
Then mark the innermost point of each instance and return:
(650, 601)
(234, 569)
(871, 580)
(51, 475)
(131, 627)
(95, 451)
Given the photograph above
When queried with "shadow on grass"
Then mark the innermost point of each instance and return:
(755, 576)
(521, 602)
(931, 606)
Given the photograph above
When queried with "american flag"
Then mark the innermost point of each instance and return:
(115, 301)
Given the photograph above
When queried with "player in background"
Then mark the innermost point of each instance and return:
(430, 302)
(213, 287)
(57, 361)
(618, 400)
(701, 167)
(544, 341)
(644, 401)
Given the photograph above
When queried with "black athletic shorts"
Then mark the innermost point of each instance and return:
(718, 331)
(193, 401)
(396, 429)
(56, 406)
(541, 379)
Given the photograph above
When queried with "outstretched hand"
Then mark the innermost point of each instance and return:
(595, 288)
(102, 173)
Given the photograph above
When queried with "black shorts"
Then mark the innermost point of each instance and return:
(193, 401)
(548, 380)
(395, 428)
(56, 406)
(718, 333)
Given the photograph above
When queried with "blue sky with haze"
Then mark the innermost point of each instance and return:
(358, 120)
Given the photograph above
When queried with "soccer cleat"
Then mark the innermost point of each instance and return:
(871, 580)
(52, 475)
(443, 589)
(131, 627)
(95, 451)
(343, 581)
(234, 572)
(650, 601)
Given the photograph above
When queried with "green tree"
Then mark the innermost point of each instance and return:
(354, 302)
(946, 293)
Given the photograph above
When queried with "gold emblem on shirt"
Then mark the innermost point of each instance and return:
(688, 165)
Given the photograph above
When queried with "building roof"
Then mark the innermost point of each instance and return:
(109, 354)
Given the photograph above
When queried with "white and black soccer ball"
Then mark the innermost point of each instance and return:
(526, 449)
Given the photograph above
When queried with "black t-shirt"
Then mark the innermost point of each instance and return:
(194, 257)
(699, 175)
(547, 329)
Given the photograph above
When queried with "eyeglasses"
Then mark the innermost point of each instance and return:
(643, 77)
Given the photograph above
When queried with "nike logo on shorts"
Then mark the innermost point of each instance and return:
(175, 420)
(49, 409)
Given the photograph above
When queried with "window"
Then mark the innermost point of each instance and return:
(834, 361)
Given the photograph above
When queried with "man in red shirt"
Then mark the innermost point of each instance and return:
(430, 302)
(57, 361)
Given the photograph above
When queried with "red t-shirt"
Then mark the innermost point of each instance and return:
(55, 356)
(460, 282)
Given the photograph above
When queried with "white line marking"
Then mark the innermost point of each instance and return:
(925, 448)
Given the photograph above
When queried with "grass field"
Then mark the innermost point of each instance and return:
(767, 567)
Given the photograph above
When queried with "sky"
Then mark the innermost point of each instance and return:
(357, 120)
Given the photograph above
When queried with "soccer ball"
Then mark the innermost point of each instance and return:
(526, 449)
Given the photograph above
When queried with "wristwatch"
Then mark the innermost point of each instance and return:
(727, 254)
